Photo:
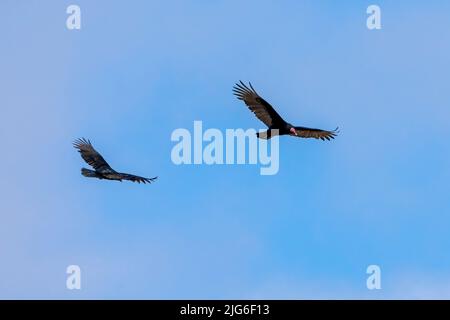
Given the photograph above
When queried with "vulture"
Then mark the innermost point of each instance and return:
(102, 169)
(267, 114)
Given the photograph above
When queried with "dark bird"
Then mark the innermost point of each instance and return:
(102, 168)
(267, 114)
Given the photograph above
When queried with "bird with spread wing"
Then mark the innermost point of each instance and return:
(267, 114)
(102, 169)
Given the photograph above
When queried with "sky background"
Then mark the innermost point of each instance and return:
(137, 70)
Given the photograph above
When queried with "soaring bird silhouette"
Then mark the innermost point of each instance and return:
(102, 168)
(267, 114)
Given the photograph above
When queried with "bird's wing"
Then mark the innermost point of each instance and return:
(126, 176)
(90, 155)
(260, 107)
(316, 133)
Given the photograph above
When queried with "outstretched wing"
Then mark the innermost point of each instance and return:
(91, 156)
(260, 107)
(316, 133)
(126, 176)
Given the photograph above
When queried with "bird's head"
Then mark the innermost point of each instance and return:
(292, 130)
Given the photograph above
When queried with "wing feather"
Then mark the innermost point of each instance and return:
(138, 179)
(260, 107)
(91, 156)
(316, 133)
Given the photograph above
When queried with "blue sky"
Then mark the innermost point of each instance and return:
(138, 70)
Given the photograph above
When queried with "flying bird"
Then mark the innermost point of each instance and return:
(102, 169)
(267, 114)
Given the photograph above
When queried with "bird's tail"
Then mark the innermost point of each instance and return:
(89, 173)
(264, 135)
